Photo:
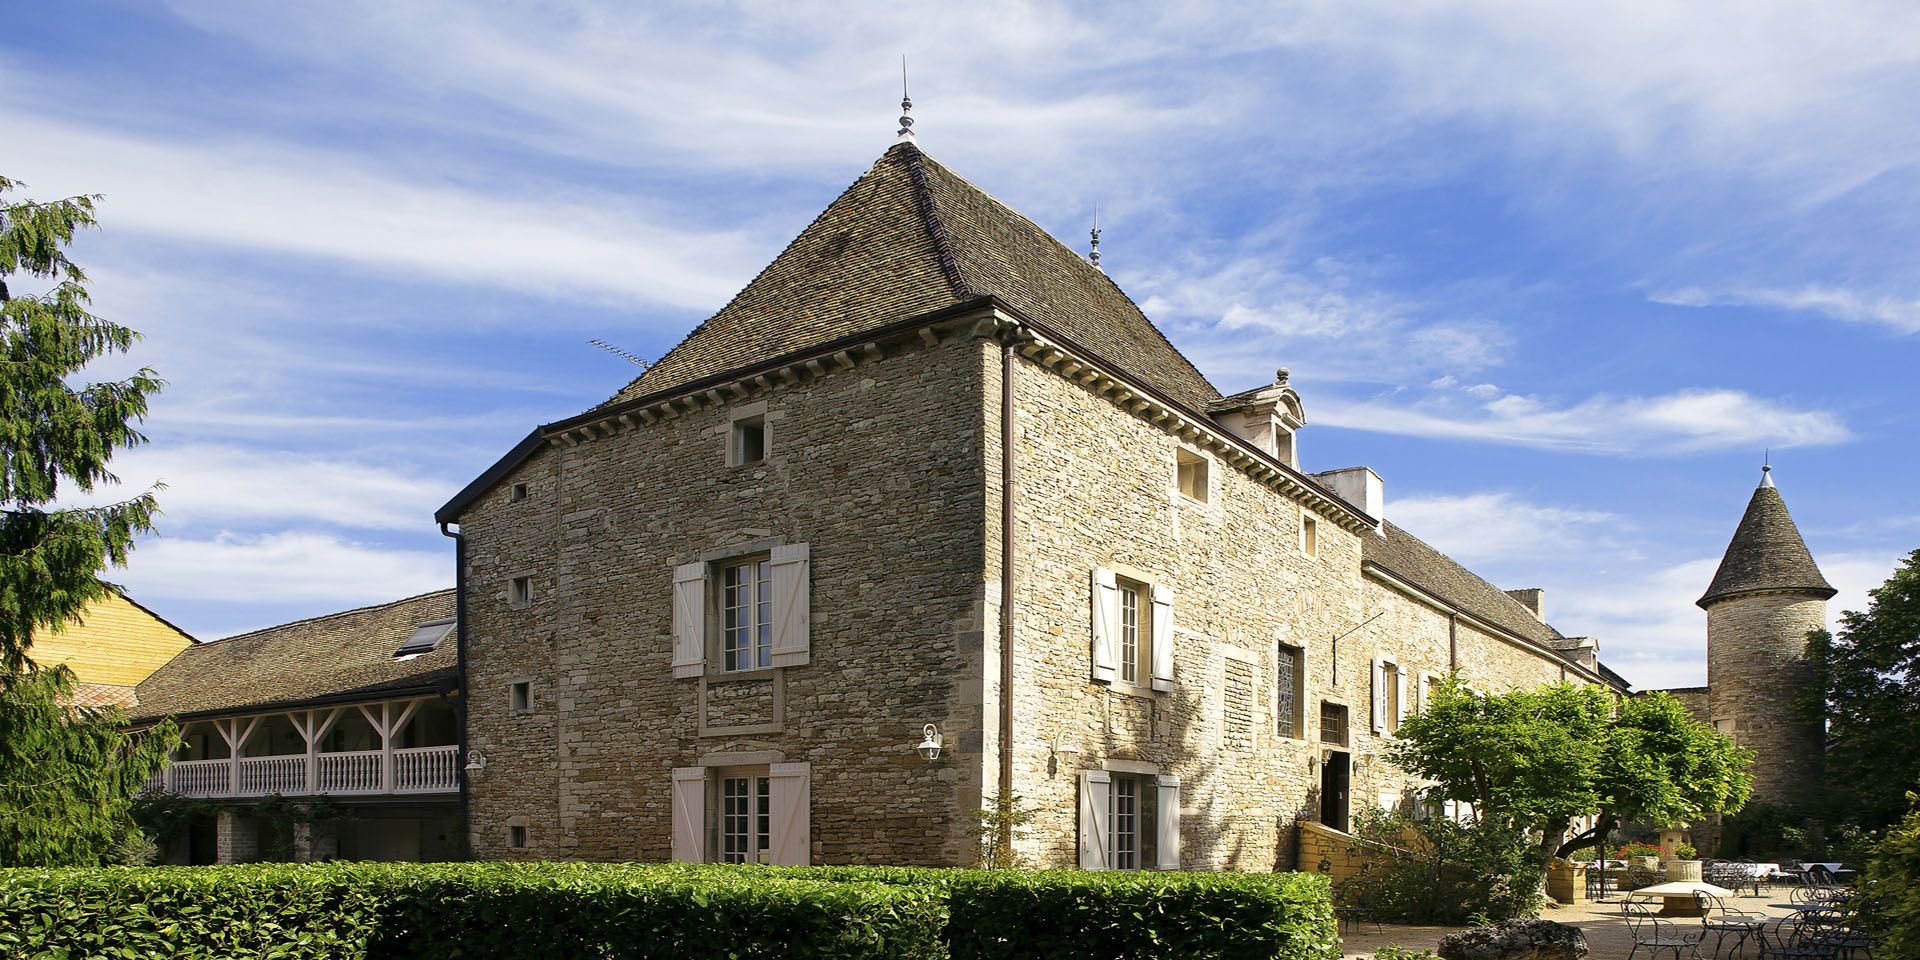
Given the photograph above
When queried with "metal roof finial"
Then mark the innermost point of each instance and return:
(1766, 467)
(905, 134)
(1094, 255)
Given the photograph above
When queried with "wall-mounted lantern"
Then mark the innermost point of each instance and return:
(475, 762)
(930, 742)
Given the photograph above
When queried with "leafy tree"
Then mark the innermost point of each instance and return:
(67, 775)
(1892, 890)
(54, 430)
(1537, 759)
(1867, 681)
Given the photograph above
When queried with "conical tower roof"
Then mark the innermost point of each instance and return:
(1766, 553)
(908, 238)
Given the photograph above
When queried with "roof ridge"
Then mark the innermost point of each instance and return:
(326, 616)
(737, 294)
(936, 227)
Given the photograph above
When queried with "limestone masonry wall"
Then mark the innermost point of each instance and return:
(1756, 663)
(878, 468)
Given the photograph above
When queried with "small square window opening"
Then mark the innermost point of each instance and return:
(517, 837)
(519, 592)
(522, 697)
(517, 493)
(749, 441)
(1191, 471)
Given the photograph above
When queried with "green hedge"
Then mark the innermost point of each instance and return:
(1008, 914)
(473, 911)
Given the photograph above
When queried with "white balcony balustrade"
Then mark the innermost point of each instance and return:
(391, 769)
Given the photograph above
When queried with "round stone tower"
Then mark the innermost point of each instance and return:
(1766, 596)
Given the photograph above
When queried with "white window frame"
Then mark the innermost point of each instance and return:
(1134, 635)
(1391, 690)
(740, 419)
(755, 597)
(753, 816)
(1124, 811)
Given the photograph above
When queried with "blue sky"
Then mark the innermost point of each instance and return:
(1558, 276)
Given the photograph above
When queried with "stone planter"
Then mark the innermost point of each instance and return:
(1567, 882)
(1649, 864)
(1683, 869)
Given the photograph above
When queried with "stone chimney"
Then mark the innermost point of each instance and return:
(1361, 487)
(1534, 599)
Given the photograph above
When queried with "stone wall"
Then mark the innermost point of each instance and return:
(879, 469)
(1756, 665)
(1098, 490)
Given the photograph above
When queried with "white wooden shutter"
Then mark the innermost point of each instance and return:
(791, 844)
(1167, 826)
(689, 619)
(1106, 622)
(1095, 787)
(690, 814)
(1162, 623)
(792, 602)
(1406, 682)
(1379, 697)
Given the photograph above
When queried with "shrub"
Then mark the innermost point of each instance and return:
(1893, 887)
(459, 910)
(663, 910)
(1442, 872)
(1010, 914)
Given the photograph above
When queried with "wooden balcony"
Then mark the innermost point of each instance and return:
(388, 770)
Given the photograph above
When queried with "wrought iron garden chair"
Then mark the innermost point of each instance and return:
(1657, 936)
(1720, 922)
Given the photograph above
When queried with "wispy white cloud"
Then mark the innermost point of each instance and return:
(265, 196)
(1686, 421)
(291, 566)
(1899, 314)
(1498, 525)
(217, 486)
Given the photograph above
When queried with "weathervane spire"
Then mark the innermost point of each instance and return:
(905, 134)
(1766, 467)
(1093, 256)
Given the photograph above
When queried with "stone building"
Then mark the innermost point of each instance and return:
(1764, 599)
(933, 484)
(359, 707)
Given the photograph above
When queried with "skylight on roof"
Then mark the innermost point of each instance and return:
(425, 637)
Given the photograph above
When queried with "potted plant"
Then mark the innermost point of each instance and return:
(1684, 864)
(1643, 855)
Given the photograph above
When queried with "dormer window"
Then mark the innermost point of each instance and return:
(426, 637)
(1283, 446)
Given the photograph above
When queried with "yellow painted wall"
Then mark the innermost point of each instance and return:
(115, 642)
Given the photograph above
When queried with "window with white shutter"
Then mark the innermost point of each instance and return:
(1161, 647)
(792, 814)
(1105, 597)
(1167, 829)
(792, 605)
(689, 814)
(689, 619)
(1095, 790)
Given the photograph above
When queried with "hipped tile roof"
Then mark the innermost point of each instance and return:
(1766, 553)
(1407, 557)
(908, 238)
(340, 654)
